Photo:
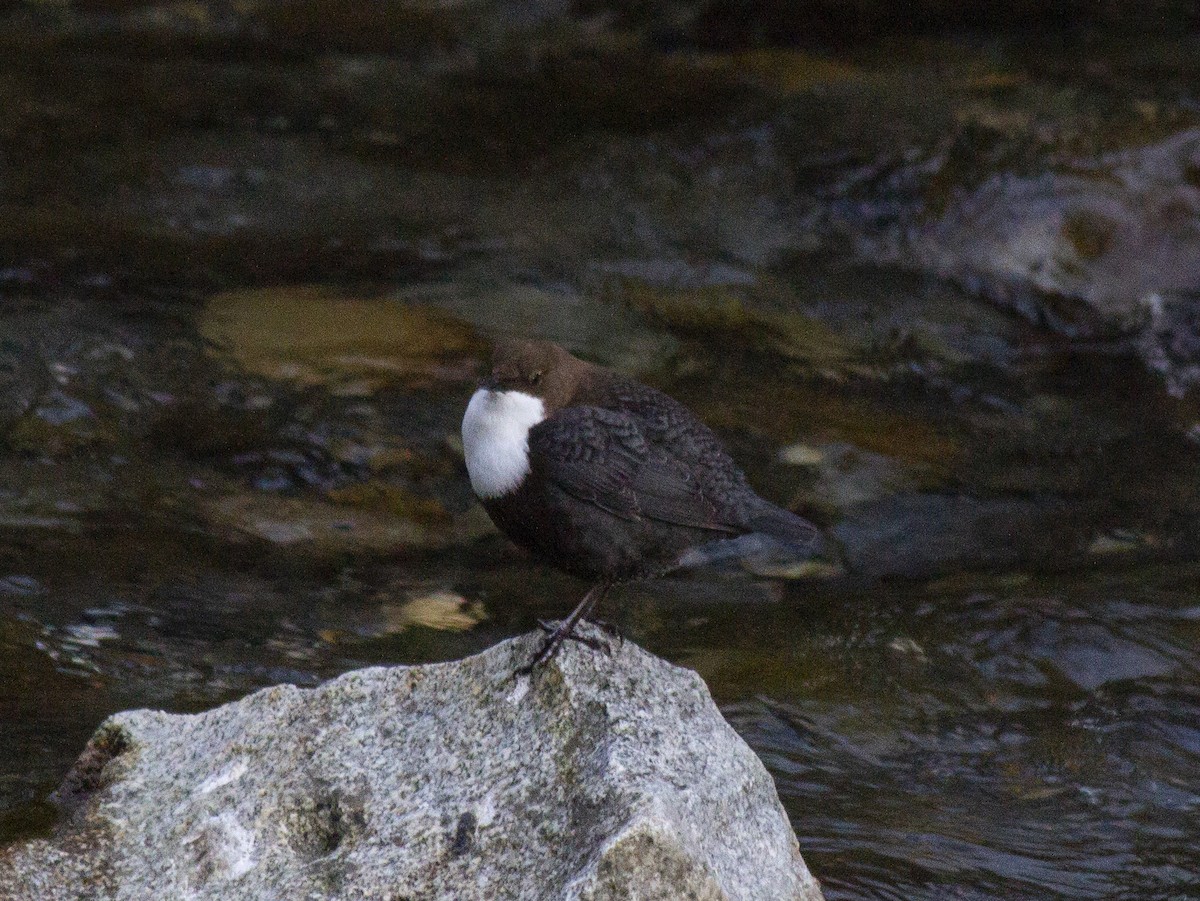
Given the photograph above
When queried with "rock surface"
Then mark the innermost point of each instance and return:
(600, 778)
(1116, 245)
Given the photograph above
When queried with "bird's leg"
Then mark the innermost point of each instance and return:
(566, 628)
(615, 630)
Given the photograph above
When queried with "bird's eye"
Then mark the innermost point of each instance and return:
(535, 378)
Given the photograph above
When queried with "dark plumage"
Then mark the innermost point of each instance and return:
(619, 481)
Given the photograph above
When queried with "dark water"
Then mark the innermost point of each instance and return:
(1044, 744)
(979, 737)
(250, 264)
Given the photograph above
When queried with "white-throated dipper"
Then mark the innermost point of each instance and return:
(603, 477)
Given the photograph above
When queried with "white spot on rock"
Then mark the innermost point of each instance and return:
(229, 774)
(485, 813)
(223, 849)
(519, 690)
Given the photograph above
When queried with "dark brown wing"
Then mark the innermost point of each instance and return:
(604, 457)
(667, 423)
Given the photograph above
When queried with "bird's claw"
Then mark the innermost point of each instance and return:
(555, 636)
(566, 629)
(610, 629)
(590, 641)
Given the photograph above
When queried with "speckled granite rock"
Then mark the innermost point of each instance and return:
(602, 778)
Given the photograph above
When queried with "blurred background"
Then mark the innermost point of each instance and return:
(931, 269)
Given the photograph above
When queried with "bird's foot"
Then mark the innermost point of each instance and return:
(590, 641)
(612, 630)
(566, 629)
(556, 635)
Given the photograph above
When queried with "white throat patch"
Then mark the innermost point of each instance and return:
(495, 433)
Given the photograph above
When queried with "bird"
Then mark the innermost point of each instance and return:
(603, 477)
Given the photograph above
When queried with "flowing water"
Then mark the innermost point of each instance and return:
(978, 736)
(246, 288)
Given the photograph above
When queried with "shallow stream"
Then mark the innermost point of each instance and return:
(249, 274)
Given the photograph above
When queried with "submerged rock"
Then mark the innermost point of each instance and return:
(323, 529)
(919, 535)
(311, 336)
(600, 778)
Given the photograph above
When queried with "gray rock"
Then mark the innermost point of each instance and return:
(1122, 239)
(600, 778)
(1111, 247)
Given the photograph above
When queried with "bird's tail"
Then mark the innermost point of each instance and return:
(783, 526)
(772, 533)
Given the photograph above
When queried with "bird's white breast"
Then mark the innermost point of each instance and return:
(495, 434)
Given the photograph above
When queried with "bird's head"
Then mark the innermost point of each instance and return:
(538, 369)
